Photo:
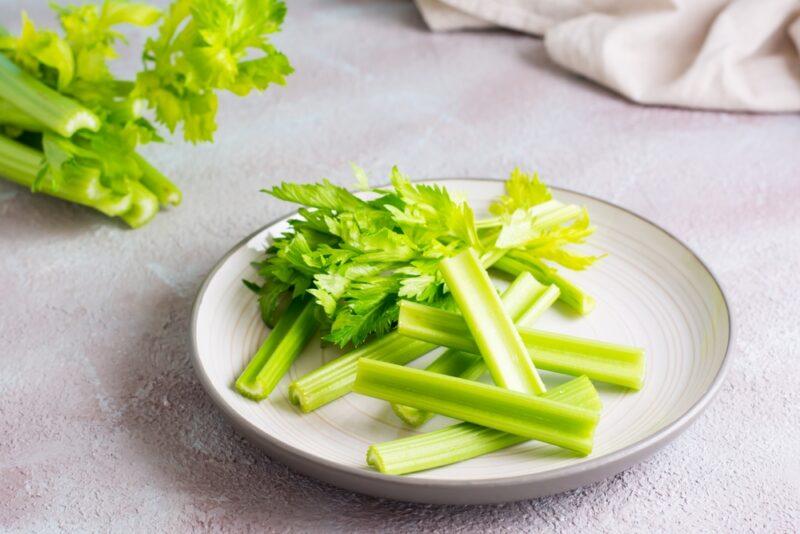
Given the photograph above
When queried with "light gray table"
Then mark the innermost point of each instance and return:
(103, 425)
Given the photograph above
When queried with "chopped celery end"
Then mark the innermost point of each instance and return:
(158, 184)
(335, 379)
(56, 111)
(144, 206)
(276, 355)
(515, 262)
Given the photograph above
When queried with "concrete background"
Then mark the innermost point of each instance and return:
(103, 426)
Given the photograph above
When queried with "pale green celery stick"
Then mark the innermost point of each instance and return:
(144, 206)
(523, 414)
(607, 362)
(463, 441)
(160, 185)
(523, 298)
(515, 262)
(545, 299)
(13, 116)
(452, 363)
(520, 295)
(490, 258)
(538, 210)
(59, 113)
(272, 361)
(335, 379)
(20, 164)
(491, 327)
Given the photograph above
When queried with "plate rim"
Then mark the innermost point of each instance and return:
(396, 487)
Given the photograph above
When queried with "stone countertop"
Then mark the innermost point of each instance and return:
(104, 427)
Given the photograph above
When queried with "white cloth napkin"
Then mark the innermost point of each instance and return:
(739, 55)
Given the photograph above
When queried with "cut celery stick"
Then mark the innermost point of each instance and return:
(463, 441)
(607, 362)
(523, 414)
(521, 295)
(335, 379)
(452, 363)
(491, 327)
(525, 299)
(286, 341)
(547, 296)
(599, 360)
(515, 262)
(59, 113)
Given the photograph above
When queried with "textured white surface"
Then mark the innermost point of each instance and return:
(103, 425)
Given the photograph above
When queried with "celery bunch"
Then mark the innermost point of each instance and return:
(69, 128)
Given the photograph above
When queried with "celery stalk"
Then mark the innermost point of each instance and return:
(515, 262)
(491, 327)
(607, 362)
(11, 115)
(451, 363)
(518, 413)
(20, 164)
(335, 379)
(59, 113)
(538, 211)
(160, 185)
(523, 293)
(463, 441)
(545, 299)
(599, 360)
(144, 206)
(276, 355)
(524, 300)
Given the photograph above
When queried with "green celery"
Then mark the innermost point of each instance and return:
(515, 262)
(160, 185)
(607, 362)
(10, 115)
(518, 413)
(452, 362)
(463, 441)
(56, 111)
(539, 210)
(144, 206)
(20, 163)
(491, 327)
(275, 356)
(335, 379)
(524, 300)
(543, 302)
(599, 360)
(521, 295)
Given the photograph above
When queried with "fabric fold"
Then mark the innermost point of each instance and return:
(737, 55)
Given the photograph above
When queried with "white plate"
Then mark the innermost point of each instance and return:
(651, 291)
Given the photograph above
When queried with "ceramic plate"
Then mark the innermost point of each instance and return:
(651, 291)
